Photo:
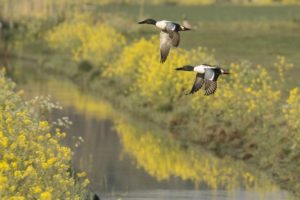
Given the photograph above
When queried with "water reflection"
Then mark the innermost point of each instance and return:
(133, 159)
(163, 157)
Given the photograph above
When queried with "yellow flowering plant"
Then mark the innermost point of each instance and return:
(291, 112)
(139, 72)
(33, 163)
(247, 102)
(85, 39)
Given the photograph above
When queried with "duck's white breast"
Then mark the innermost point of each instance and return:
(162, 24)
(199, 69)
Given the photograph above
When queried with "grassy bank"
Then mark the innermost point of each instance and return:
(254, 115)
(33, 163)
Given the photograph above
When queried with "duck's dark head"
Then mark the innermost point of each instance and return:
(148, 21)
(224, 71)
(186, 68)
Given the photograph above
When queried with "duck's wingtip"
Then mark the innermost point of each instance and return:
(208, 94)
(190, 93)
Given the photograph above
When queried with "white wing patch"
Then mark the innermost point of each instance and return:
(212, 77)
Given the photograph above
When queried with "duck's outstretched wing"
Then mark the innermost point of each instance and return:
(210, 87)
(198, 83)
(168, 39)
(174, 35)
(172, 29)
(165, 45)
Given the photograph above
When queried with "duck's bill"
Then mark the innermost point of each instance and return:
(142, 22)
(186, 68)
(224, 71)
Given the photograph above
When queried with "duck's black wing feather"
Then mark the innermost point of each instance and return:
(174, 35)
(198, 83)
(210, 87)
(165, 45)
(172, 29)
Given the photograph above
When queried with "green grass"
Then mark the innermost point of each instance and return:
(210, 13)
(236, 33)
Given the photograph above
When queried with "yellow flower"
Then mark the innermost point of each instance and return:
(46, 196)
(40, 137)
(27, 121)
(36, 189)
(21, 140)
(4, 166)
(249, 177)
(14, 165)
(29, 171)
(43, 124)
(86, 182)
(12, 188)
(17, 198)
(18, 174)
(80, 175)
(3, 181)
(51, 161)
(3, 141)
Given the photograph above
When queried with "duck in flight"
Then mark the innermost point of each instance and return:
(206, 75)
(169, 35)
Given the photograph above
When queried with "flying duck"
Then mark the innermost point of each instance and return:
(207, 75)
(169, 35)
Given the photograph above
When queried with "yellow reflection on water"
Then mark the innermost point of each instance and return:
(162, 157)
(68, 94)
(157, 153)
